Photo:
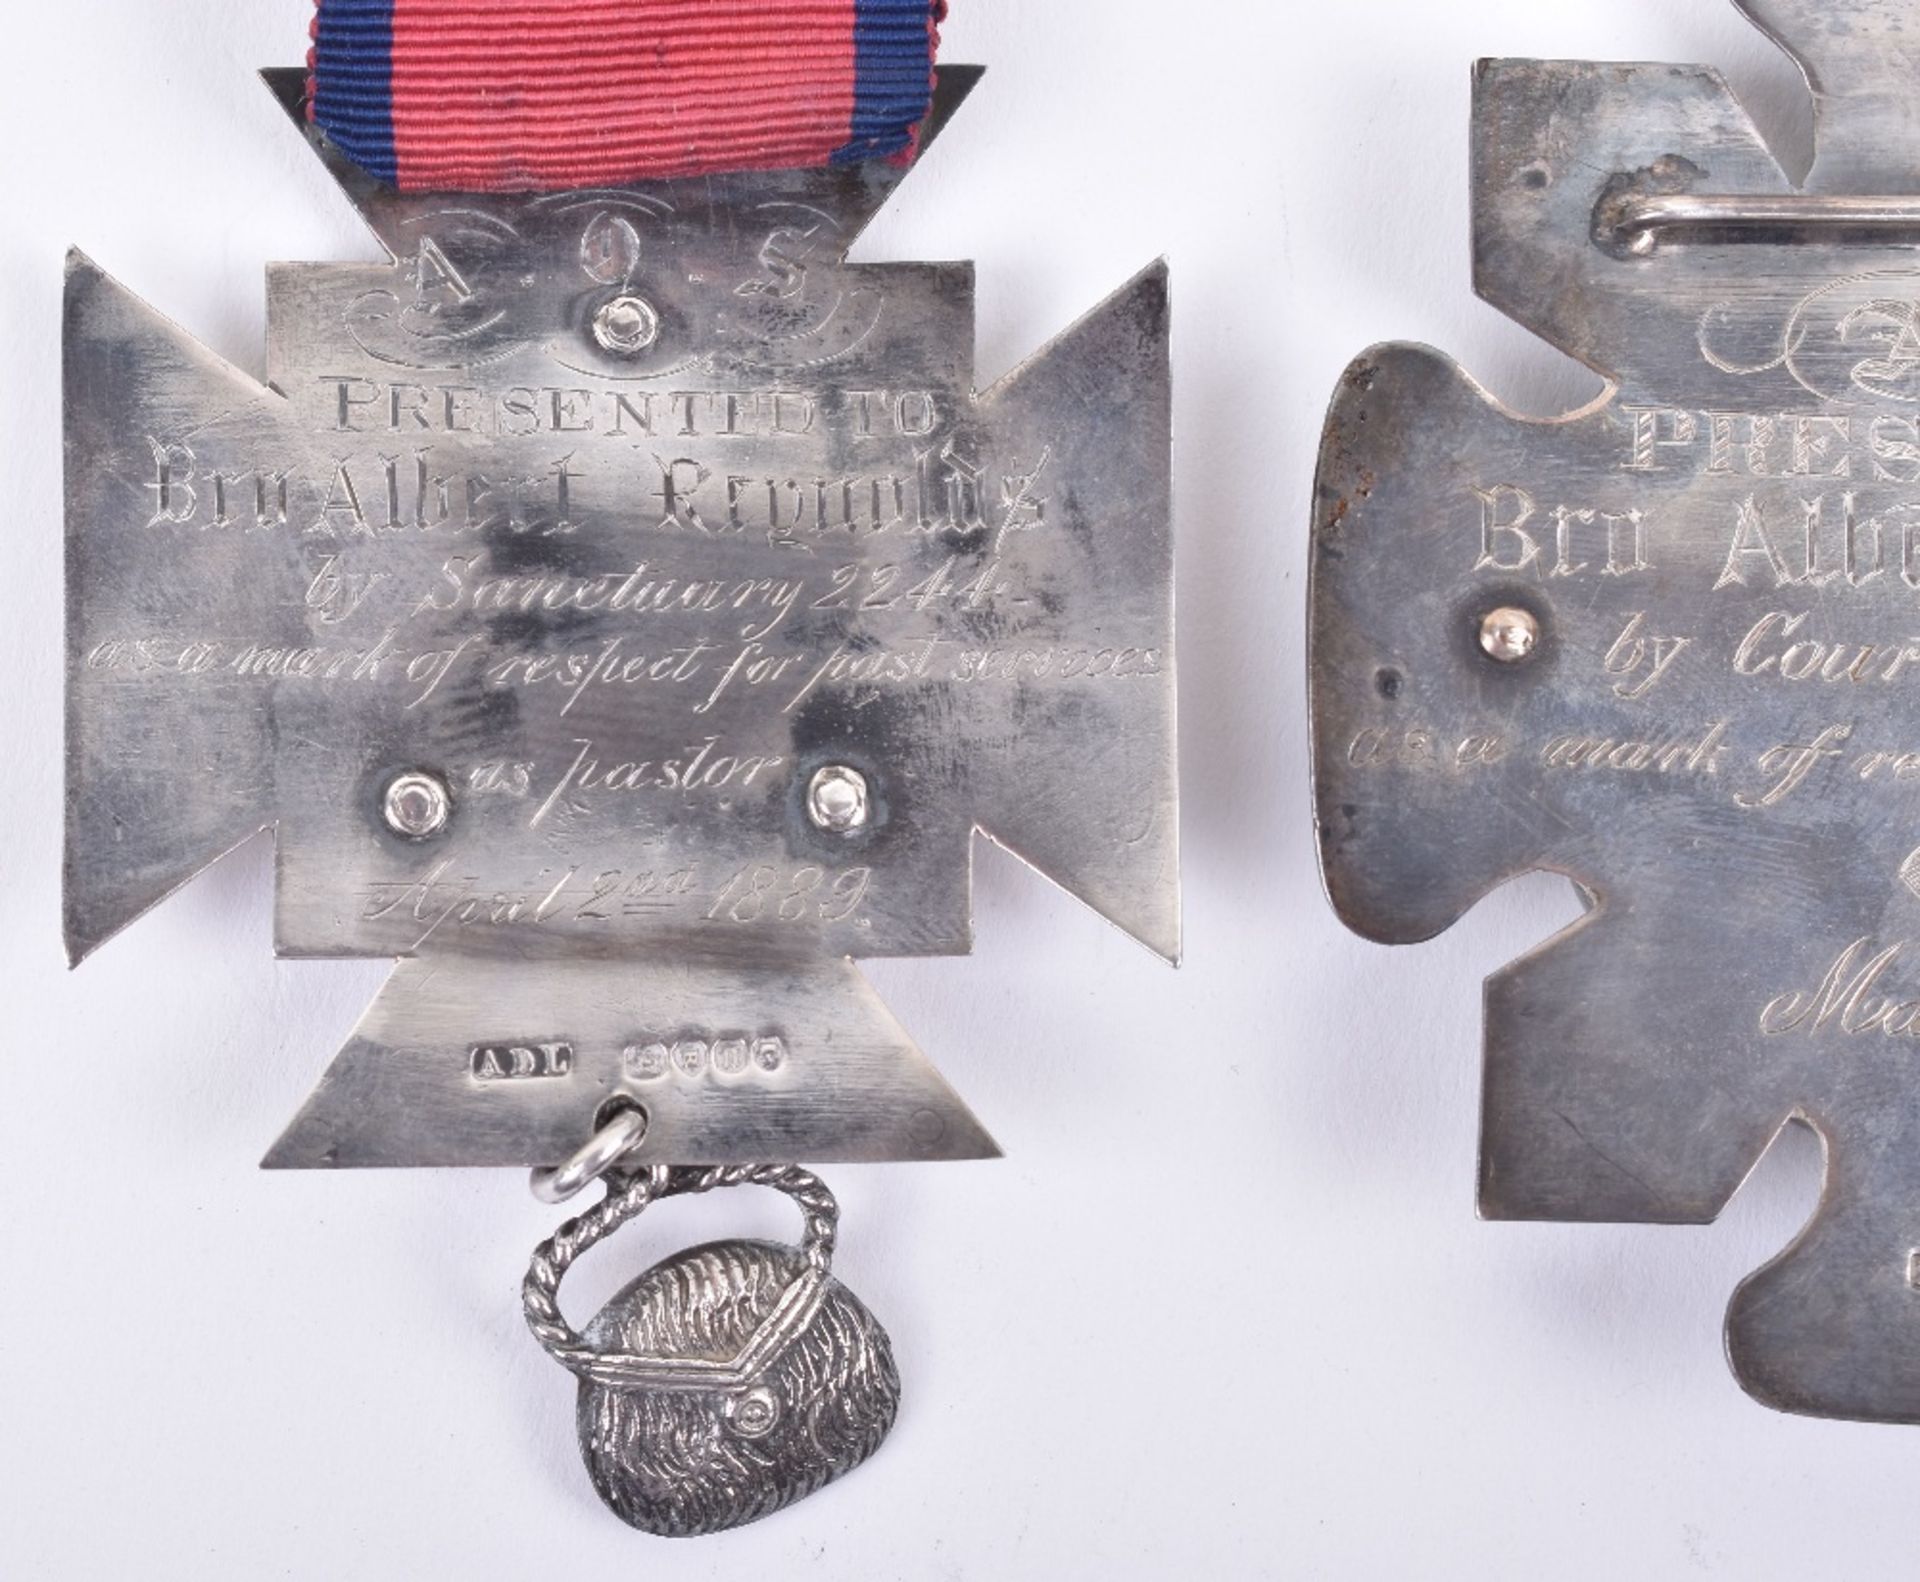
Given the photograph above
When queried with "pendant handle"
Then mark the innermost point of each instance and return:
(626, 1200)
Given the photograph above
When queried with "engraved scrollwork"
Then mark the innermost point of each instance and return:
(793, 312)
(448, 310)
(1856, 336)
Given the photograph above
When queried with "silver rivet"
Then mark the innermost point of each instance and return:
(626, 325)
(1508, 634)
(417, 805)
(753, 1415)
(837, 800)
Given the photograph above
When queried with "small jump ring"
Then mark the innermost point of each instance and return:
(605, 1149)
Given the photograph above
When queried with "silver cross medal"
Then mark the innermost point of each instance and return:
(625, 613)
(1669, 646)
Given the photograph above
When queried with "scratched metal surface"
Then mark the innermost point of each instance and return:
(1716, 736)
(625, 602)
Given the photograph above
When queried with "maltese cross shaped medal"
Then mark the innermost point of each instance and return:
(1669, 646)
(625, 612)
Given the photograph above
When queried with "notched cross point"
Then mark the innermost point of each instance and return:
(558, 562)
(1662, 645)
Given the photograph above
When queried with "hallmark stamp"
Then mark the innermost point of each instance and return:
(522, 1062)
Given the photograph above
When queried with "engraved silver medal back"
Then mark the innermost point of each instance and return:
(625, 612)
(1667, 645)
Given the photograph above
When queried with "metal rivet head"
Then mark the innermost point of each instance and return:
(753, 1415)
(1509, 635)
(838, 801)
(626, 325)
(417, 804)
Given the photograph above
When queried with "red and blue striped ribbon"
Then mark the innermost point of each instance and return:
(544, 95)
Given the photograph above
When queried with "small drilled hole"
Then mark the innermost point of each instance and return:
(614, 1108)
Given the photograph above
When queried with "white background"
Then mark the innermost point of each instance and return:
(1224, 1311)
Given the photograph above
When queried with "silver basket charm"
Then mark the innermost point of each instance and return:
(727, 1382)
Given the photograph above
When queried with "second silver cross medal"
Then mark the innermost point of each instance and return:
(1658, 645)
(626, 612)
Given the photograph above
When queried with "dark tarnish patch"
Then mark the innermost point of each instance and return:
(1349, 832)
(1345, 478)
(1078, 523)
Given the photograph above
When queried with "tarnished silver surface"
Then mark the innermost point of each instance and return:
(727, 1382)
(1716, 734)
(621, 515)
